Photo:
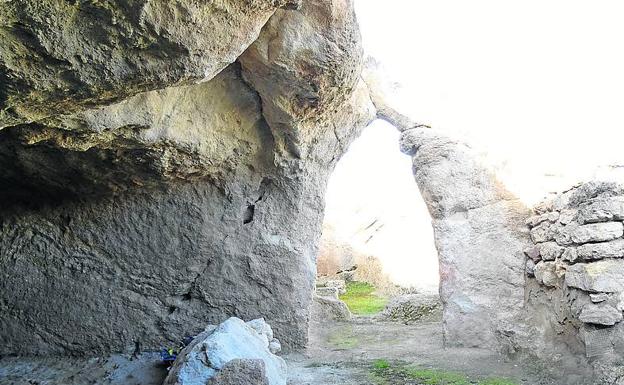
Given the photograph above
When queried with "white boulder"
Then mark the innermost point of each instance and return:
(213, 350)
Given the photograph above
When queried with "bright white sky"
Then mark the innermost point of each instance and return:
(536, 85)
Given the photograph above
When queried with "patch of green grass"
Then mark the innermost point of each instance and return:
(385, 373)
(361, 300)
(381, 364)
(437, 377)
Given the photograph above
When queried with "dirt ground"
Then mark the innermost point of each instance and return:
(339, 353)
(344, 353)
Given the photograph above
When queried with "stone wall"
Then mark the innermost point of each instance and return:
(575, 270)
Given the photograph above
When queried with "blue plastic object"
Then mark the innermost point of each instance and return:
(168, 355)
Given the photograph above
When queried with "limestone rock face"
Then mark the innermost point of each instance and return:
(480, 237)
(304, 63)
(437, 160)
(138, 217)
(602, 210)
(176, 134)
(58, 57)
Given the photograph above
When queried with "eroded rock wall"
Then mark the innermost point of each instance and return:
(133, 224)
(479, 234)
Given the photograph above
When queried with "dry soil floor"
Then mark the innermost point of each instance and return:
(340, 353)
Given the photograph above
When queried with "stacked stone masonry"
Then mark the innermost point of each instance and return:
(578, 244)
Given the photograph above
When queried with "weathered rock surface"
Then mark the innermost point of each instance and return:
(550, 251)
(535, 220)
(601, 276)
(593, 232)
(594, 251)
(480, 237)
(241, 372)
(543, 233)
(329, 308)
(60, 57)
(178, 134)
(409, 308)
(221, 355)
(175, 207)
(602, 210)
(581, 316)
(546, 274)
(599, 297)
(600, 315)
(305, 65)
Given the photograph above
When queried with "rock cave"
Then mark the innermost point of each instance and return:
(163, 171)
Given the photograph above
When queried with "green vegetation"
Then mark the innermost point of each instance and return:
(381, 364)
(383, 373)
(361, 300)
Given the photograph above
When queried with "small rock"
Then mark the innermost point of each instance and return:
(567, 216)
(262, 328)
(533, 253)
(530, 268)
(570, 254)
(339, 284)
(545, 273)
(602, 210)
(601, 276)
(275, 346)
(594, 251)
(328, 308)
(331, 292)
(410, 308)
(593, 232)
(550, 251)
(537, 219)
(600, 314)
(542, 233)
(599, 297)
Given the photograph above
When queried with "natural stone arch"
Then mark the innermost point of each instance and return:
(479, 231)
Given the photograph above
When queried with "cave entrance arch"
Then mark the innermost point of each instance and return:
(377, 228)
(478, 227)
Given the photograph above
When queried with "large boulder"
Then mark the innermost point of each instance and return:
(58, 57)
(232, 353)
